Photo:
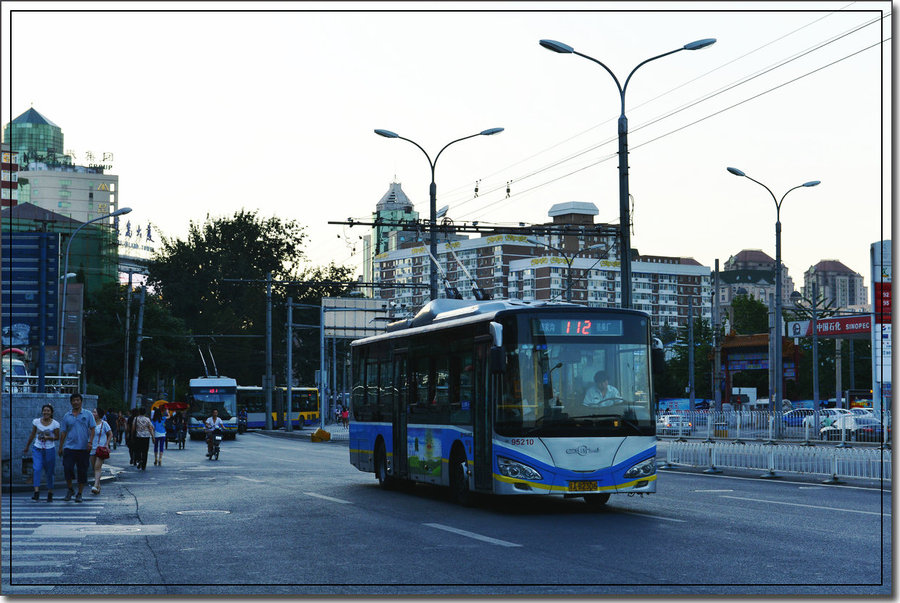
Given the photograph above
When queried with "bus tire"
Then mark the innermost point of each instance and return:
(596, 501)
(384, 480)
(459, 480)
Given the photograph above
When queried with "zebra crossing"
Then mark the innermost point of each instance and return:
(40, 540)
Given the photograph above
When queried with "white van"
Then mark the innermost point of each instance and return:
(15, 376)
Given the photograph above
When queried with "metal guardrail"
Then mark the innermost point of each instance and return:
(28, 384)
(832, 461)
(751, 425)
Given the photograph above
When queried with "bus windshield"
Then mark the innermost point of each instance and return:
(571, 378)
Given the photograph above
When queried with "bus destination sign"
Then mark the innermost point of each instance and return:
(576, 327)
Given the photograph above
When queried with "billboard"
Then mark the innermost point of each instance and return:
(881, 331)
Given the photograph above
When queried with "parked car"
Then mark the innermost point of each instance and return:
(794, 418)
(673, 425)
(862, 412)
(858, 428)
(827, 416)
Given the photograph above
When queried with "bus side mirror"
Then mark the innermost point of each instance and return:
(657, 356)
(497, 360)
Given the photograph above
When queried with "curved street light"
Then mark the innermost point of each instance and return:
(433, 191)
(624, 214)
(779, 368)
(569, 259)
(65, 280)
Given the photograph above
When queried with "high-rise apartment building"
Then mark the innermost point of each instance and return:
(837, 285)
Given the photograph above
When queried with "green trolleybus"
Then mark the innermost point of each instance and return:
(500, 397)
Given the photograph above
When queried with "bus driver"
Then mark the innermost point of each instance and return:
(601, 393)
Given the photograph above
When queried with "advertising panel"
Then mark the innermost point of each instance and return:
(881, 332)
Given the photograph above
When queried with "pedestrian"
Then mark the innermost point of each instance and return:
(97, 458)
(170, 429)
(142, 431)
(121, 424)
(129, 437)
(44, 432)
(159, 435)
(345, 417)
(110, 419)
(76, 432)
(180, 427)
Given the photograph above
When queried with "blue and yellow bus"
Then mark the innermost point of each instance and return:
(305, 410)
(492, 397)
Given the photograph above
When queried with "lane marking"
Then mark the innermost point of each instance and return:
(723, 490)
(778, 502)
(275, 458)
(249, 479)
(322, 496)
(20, 576)
(45, 553)
(647, 516)
(487, 539)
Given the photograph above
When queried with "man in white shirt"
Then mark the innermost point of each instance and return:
(212, 424)
(601, 393)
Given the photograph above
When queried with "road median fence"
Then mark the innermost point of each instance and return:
(830, 461)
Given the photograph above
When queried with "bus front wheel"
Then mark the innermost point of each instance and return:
(596, 501)
(459, 480)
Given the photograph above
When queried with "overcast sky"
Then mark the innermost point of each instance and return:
(208, 112)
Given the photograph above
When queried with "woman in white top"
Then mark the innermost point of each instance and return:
(44, 433)
(103, 430)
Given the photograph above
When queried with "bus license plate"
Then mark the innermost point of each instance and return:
(582, 486)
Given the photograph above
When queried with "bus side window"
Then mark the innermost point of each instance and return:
(371, 402)
(386, 393)
(461, 381)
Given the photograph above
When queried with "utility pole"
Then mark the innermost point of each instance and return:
(691, 351)
(127, 334)
(268, 387)
(289, 369)
(717, 350)
(137, 349)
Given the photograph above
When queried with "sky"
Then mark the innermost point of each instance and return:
(272, 107)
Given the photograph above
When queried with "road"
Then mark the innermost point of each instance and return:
(281, 515)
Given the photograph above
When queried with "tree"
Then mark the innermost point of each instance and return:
(165, 352)
(750, 315)
(196, 279)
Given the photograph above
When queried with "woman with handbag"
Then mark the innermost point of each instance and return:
(159, 435)
(99, 452)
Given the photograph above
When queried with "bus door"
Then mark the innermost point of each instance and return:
(485, 384)
(398, 414)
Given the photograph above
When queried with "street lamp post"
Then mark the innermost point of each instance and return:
(624, 213)
(569, 259)
(433, 192)
(779, 367)
(62, 312)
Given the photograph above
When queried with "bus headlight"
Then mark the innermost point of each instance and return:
(642, 469)
(511, 468)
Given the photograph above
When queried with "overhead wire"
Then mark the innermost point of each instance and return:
(500, 203)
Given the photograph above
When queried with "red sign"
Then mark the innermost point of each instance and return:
(832, 327)
(882, 303)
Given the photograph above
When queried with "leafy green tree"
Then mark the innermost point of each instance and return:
(197, 277)
(165, 351)
(750, 315)
(676, 377)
